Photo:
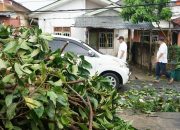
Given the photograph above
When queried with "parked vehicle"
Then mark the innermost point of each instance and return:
(108, 66)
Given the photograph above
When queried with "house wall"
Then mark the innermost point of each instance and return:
(17, 19)
(114, 50)
(12, 21)
(48, 21)
(90, 4)
(1, 7)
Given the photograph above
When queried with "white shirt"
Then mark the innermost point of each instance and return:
(122, 47)
(164, 50)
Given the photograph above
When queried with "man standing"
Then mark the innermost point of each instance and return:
(122, 52)
(161, 60)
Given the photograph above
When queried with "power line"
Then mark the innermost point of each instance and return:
(92, 9)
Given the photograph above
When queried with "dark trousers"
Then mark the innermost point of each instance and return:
(161, 70)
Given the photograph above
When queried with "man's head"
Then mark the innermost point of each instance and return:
(121, 39)
(161, 39)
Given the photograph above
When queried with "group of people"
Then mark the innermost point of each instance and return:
(161, 58)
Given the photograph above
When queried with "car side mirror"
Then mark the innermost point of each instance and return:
(91, 53)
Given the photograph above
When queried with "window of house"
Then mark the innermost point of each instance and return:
(146, 36)
(106, 39)
(65, 31)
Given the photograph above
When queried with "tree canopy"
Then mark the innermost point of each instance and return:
(146, 10)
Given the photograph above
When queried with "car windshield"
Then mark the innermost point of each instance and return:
(92, 48)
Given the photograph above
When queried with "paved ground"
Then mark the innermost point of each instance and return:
(156, 121)
(140, 78)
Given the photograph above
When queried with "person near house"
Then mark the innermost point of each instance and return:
(122, 52)
(161, 60)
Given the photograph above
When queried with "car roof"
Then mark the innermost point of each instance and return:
(67, 37)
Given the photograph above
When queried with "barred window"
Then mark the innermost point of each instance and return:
(106, 39)
(65, 31)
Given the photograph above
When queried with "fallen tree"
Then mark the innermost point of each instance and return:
(40, 89)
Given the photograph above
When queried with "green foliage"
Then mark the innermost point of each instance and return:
(174, 55)
(40, 89)
(150, 100)
(152, 13)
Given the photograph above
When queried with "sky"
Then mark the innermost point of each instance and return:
(36, 4)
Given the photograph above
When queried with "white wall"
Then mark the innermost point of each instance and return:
(48, 21)
(114, 50)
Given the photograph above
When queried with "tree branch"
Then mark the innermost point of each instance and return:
(90, 114)
(77, 94)
(75, 82)
(64, 47)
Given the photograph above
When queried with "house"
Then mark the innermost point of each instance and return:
(13, 13)
(99, 28)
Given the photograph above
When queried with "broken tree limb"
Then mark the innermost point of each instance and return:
(90, 114)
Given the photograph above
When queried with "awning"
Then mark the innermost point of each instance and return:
(111, 22)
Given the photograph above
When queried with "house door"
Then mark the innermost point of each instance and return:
(93, 39)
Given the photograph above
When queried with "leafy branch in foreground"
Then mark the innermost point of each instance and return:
(40, 89)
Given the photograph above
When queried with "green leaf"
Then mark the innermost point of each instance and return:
(2, 64)
(35, 53)
(57, 83)
(94, 101)
(50, 110)
(39, 111)
(33, 39)
(74, 69)
(24, 45)
(8, 78)
(11, 111)
(59, 124)
(18, 70)
(31, 103)
(8, 99)
(109, 114)
(9, 125)
(62, 100)
(52, 95)
(96, 125)
(65, 120)
(83, 126)
(83, 114)
(11, 47)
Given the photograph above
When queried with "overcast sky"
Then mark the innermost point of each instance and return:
(35, 4)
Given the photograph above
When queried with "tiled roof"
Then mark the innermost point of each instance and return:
(111, 22)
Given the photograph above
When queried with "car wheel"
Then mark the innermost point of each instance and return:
(114, 79)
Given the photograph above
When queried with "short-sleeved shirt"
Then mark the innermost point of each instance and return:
(122, 47)
(163, 49)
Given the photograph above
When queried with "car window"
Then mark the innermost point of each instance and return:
(73, 46)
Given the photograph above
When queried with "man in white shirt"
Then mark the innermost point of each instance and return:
(161, 60)
(122, 52)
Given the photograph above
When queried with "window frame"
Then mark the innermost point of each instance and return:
(106, 44)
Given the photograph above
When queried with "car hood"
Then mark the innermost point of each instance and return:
(113, 58)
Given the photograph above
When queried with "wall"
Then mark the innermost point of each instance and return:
(11, 21)
(1, 7)
(90, 4)
(11, 6)
(114, 51)
(48, 21)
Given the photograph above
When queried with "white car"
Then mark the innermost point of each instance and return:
(105, 65)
